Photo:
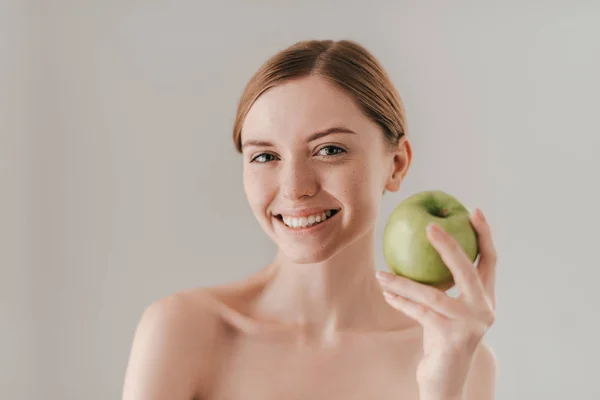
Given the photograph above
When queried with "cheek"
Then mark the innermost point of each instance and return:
(258, 188)
(359, 180)
(358, 189)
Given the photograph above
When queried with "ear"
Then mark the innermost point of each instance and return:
(402, 157)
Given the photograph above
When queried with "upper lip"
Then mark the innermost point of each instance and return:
(303, 212)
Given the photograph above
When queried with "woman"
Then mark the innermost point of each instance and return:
(322, 133)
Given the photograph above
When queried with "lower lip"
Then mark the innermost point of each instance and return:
(308, 229)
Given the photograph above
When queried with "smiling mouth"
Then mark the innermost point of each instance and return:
(306, 222)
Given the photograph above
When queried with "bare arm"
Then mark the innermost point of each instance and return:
(481, 382)
(166, 355)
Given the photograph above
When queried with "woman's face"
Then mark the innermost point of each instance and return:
(310, 152)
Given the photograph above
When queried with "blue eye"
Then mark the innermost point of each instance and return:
(325, 151)
(262, 158)
(334, 150)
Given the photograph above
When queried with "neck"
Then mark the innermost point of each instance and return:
(339, 294)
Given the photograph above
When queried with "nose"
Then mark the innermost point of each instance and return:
(298, 180)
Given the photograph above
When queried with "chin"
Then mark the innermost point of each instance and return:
(304, 255)
(314, 251)
(317, 252)
(322, 247)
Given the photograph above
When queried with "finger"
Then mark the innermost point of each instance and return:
(434, 298)
(486, 267)
(419, 312)
(457, 261)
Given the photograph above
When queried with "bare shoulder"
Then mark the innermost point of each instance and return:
(481, 383)
(175, 346)
(485, 358)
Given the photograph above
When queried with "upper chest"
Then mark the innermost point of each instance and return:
(364, 368)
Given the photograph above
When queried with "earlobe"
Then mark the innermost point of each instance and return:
(394, 182)
(401, 163)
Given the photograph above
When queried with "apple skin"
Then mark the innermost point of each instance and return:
(406, 247)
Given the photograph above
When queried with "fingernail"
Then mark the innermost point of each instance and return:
(389, 295)
(479, 214)
(433, 229)
(384, 276)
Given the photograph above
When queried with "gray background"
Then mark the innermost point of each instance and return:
(120, 184)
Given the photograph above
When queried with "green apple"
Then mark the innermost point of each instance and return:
(406, 247)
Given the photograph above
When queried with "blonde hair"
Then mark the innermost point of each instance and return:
(344, 63)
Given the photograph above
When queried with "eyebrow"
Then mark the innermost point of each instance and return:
(311, 138)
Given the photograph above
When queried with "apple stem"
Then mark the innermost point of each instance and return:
(443, 213)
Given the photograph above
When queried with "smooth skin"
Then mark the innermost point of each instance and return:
(315, 323)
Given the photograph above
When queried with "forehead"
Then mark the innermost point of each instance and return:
(300, 107)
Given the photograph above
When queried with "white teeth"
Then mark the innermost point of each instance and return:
(303, 222)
